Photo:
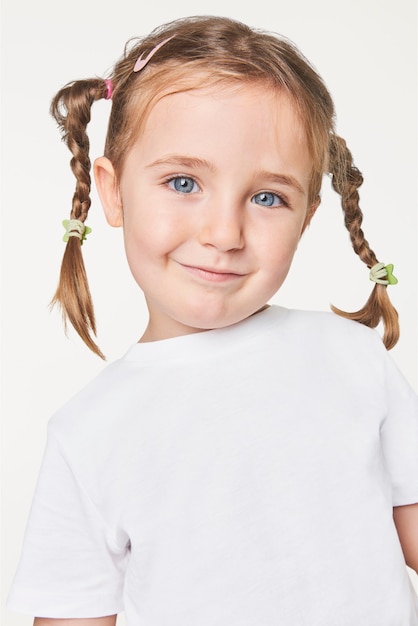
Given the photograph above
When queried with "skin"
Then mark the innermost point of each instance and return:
(192, 201)
(406, 522)
(214, 253)
(110, 620)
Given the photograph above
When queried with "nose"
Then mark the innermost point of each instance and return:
(222, 226)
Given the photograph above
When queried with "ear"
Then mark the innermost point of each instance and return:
(310, 213)
(107, 187)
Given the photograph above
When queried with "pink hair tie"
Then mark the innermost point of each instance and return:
(109, 89)
(141, 63)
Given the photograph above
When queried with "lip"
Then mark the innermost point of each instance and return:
(212, 274)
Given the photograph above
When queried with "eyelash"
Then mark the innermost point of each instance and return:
(170, 182)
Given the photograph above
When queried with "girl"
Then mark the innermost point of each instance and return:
(243, 463)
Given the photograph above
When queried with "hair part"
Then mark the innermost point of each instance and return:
(206, 51)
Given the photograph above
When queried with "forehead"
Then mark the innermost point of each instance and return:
(251, 122)
(159, 86)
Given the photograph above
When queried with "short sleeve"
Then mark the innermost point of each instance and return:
(71, 564)
(399, 436)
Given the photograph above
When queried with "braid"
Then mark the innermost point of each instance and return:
(71, 108)
(346, 179)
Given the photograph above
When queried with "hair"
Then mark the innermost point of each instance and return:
(206, 51)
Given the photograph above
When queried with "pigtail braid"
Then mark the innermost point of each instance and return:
(71, 108)
(346, 180)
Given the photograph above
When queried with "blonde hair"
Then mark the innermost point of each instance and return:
(202, 51)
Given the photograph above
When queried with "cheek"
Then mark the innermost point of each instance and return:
(137, 243)
(148, 238)
(279, 247)
(134, 252)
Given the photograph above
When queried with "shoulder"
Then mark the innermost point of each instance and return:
(324, 330)
(326, 321)
(91, 432)
(96, 406)
(326, 346)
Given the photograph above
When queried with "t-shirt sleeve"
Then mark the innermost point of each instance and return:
(399, 436)
(71, 564)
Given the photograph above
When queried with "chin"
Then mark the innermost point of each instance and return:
(210, 320)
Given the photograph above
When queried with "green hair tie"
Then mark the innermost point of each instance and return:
(75, 228)
(383, 274)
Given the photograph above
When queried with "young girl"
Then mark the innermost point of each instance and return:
(242, 464)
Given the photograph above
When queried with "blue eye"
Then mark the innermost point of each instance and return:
(183, 184)
(268, 199)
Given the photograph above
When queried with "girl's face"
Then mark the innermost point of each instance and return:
(213, 198)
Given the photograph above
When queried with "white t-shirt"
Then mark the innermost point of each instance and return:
(235, 477)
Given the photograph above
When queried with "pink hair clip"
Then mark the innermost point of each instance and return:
(141, 63)
(109, 89)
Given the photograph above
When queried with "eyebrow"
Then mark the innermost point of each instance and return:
(195, 163)
(182, 161)
(282, 179)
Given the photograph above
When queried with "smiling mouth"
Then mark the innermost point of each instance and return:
(212, 274)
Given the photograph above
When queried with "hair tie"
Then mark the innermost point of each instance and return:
(382, 274)
(75, 228)
(109, 89)
(141, 63)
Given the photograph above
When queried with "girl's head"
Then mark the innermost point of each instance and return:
(213, 205)
(208, 56)
(205, 52)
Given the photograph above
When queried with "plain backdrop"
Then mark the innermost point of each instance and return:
(366, 52)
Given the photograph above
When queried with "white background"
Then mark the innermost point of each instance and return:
(366, 52)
